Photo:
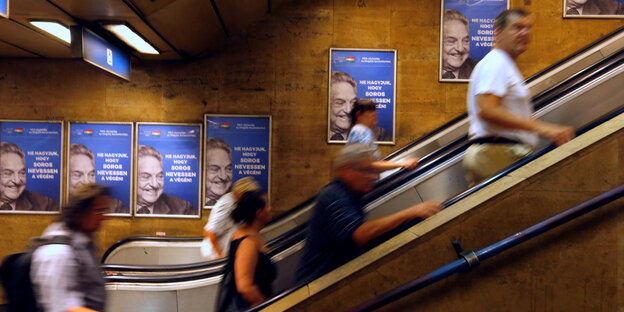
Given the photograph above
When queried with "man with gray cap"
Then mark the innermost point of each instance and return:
(338, 225)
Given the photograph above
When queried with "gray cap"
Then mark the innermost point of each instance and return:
(351, 154)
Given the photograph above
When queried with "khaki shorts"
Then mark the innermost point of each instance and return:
(482, 161)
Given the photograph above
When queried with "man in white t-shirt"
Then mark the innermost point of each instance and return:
(220, 226)
(502, 130)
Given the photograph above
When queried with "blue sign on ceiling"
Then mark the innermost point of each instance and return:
(105, 55)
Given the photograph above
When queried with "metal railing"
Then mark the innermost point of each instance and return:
(471, 259)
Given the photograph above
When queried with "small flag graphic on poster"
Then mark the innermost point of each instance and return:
(351, 59)
(225, 125)
(18, 130)
(155, 133)
(88, 132)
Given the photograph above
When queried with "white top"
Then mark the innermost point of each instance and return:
(221, 224)
(363, 135)
(54, 271)
(497, 74)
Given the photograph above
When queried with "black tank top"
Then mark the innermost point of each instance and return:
(264, 276)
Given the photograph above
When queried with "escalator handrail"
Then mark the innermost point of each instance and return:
(533, 77)
(402, 228)
(177, 278)
(457, 198)
(598, 69)
(470, 259)
(406, 147)
(575, 54)
(408, 176)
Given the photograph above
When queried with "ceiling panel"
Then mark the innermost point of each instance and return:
(149, 7)
(190, 25)
(166, 52)
(177, 28)
(7, 50)
(25, 10)
(31, 40)
(118, 11)
(36, 9)
(239, 14)
(93, 10)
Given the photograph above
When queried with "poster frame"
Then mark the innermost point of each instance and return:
(132, 164)
(268, 191)
(135, 164)
(394, 93)
(62, 200)
(440, 64)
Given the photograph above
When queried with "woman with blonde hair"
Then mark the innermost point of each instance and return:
(220, 225)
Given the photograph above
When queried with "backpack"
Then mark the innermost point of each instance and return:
(15, 275)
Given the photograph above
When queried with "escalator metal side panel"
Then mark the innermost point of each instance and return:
(156, 253)
(196, 295)
(443, 138)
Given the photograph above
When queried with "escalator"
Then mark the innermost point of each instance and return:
(586, 97)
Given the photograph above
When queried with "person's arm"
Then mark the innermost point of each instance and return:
(218, 223)
(493, 112)
(80, 309)
(244, 272)
(383, 165)
(372, 229)
(215, 244)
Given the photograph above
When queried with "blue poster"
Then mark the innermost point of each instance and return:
(4, 8)
(235, 147)
(467, 35)
(168, 169)
(361, 74)
(30, 166)
(102, 153)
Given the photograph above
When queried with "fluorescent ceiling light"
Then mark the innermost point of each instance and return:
(131, 38)
(55, 29)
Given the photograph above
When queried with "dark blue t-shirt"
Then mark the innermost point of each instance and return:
(337, 214)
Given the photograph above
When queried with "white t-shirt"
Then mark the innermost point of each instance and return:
(497, 74)
(221, 224)
(363, 135)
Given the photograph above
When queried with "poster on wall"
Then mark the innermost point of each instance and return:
(167, 166)
(30, 166)
(593, 8)
(236, 146)
(101, 152)
(466, 35)
(361, 74)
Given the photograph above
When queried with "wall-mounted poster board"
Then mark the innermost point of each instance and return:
(168, 180)
(101, 152)
(466, 35)
(31, 154)
(236, 146)
(361, 74)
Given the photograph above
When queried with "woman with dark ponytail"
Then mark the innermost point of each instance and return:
(364, 119)
(249, 271)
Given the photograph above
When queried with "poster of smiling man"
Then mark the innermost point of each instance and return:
(30, 166)
(168, 176)
(236, 146)
(361, 74)
(466, 35)
(101, 152)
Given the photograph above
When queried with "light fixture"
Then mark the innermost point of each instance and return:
(131, 38)
(54, 28)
